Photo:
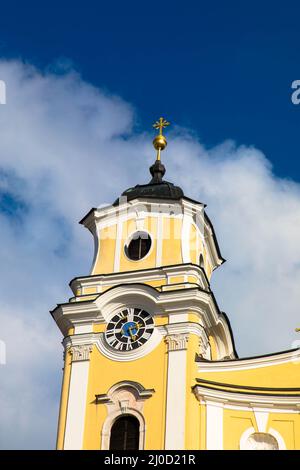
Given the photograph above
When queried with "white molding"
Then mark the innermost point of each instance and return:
(278, 437)
(185, 239)
(110, 420)
(236, 398)
(214, 426)
(118, 246)
(157, 303)
(81, 352)
(248, 432)
(261, 419)
(159, 240)
(177, 342)
(176, 400)
(251, 363)
(143, 276)
(130, 237)
(127, 356)
(245, 436)
(83, 328)
(76, 405)
(133, 396)
(108, 215)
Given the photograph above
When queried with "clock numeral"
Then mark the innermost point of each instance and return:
(130, 314)
(146, 335)
(129, 329)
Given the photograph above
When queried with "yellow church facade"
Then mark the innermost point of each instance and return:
(149, 359)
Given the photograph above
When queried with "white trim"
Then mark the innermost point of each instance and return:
(148, 275)
(127, 356)
(76, 406)
(110, 420)
(130, 238)
(185, 239)
(118, 246)
(261, 419)
(251, 363)
(83, 328)
(278, 437)
(107, 216)
(214, 426)
(236, 398)
(248, 432)
(159, 240)
(174, 302)
(176, 400)
(245, 436)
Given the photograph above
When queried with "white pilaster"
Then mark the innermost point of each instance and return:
(214, 426)
(77, 397)
(176, 392)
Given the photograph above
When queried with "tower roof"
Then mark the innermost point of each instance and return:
(157, 188)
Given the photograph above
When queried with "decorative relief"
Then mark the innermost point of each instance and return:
(177, 342)
(204, 347)
(81, 352)
(123, 398)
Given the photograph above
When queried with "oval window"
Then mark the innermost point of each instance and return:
(138, 246)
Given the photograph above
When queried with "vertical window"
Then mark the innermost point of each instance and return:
(201, 261)
(125, 434)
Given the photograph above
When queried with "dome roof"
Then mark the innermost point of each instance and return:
(157, 188)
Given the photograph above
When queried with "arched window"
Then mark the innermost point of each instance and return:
(261, 441)
(125, 434)
(201, 261)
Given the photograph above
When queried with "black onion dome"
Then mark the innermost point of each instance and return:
(157, 188)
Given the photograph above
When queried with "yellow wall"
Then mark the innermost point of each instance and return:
(171, 246)
(104, 373)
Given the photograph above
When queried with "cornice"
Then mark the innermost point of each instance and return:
(152, 274)
(225, 397)
(174, 302)
(292, 356)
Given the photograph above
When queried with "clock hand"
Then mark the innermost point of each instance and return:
(132, 336)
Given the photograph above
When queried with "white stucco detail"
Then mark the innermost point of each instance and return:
(176, 400)
(261, 420)
(76, 406)
(214, 426)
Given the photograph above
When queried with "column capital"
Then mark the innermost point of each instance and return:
(81, 352)
(177, 342)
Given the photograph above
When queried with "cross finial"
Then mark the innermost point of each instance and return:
(161, 124)
(160, 142)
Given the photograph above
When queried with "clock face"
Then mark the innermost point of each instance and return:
(129, 329)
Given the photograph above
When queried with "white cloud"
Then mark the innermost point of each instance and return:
(65, 146)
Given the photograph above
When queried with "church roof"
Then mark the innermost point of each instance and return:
(157, 188)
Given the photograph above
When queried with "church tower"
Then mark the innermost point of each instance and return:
(140, 322)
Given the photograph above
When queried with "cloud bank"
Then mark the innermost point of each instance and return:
(66, 146)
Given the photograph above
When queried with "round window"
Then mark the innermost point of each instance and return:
(138, 246)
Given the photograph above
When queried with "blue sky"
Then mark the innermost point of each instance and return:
(84, 85)
(223, 68)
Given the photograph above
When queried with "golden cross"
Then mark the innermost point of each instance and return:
(160, 124)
